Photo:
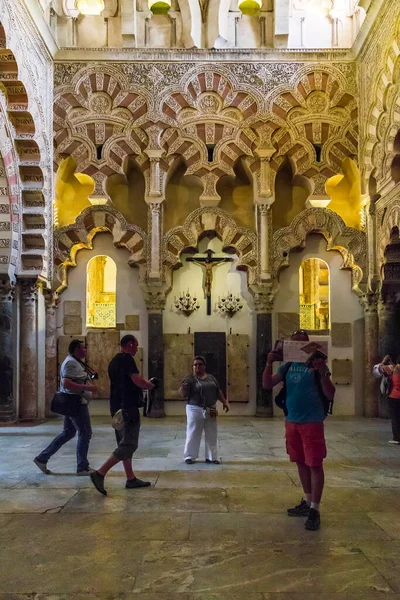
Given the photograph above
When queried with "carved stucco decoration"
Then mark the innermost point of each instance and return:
(380, 72)
(35, 73)
(390, 220)
(70, 239)
(25, 168)
(99, 109)
(203, 220)
(320, 109)
(202, 105)
(351, 243)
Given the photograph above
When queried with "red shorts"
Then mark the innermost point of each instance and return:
(305, 443)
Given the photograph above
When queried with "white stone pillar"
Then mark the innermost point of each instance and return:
(264, 216)
(155, 274)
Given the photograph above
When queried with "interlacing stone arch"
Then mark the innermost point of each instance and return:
(23, 161)
(215, 221)
(390, 221)
(70, 239)
(319, 109)
(350, 242)
(383, 116)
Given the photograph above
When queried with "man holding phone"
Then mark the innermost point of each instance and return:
(305, 440)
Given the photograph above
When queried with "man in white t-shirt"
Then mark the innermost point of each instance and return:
(73, 380)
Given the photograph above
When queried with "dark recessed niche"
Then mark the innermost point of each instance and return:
(318, 150)
(210, 151)
(99, 151)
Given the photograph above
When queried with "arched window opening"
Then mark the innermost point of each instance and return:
(314, 295)
(101, 288)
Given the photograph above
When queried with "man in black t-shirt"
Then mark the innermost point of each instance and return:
(126, 394)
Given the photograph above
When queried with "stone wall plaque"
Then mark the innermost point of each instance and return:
(341, 335)
(237, 352)
(72, 308)
(72, 325)
(287, 323)
(342, 371)
(178, 359)
(102, 345)
(132, 322)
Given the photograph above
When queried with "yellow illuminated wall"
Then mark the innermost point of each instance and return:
(314, 294)
(101, 292)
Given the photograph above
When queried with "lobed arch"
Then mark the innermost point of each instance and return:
(100, 110)
(211, 220)
(350, 242)
(382, 118)
(391, 221)
(21, 147)
(70, 239)
(206, 81)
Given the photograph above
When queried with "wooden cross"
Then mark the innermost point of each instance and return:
(208, 262)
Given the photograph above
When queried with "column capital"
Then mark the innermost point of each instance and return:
(263, 300)
(155, 301)
(51, 299)
(7, 290)
(29, 290)
(369, 303)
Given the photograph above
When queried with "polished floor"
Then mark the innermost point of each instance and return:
(200, 532)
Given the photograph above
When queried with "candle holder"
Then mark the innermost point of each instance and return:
(185, 304)
(229, 305)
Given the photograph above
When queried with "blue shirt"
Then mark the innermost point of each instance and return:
(303, 401)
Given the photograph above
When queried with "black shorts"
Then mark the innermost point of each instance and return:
(128, 437)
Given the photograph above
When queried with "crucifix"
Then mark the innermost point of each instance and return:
(208, 262)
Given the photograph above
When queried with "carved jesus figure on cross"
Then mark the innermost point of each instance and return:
(208, 262)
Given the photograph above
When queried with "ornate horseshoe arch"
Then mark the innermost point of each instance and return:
(350, 242)
(198, 224)
(391, 220)
(70, 239)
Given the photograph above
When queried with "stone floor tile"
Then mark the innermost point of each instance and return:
(221, 479)
(126, 527)
(149, 501)
(228, 566)
(33, 501)
(262, 528)
(79, 566)
(388, 521)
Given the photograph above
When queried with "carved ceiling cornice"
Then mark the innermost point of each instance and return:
(275, 55)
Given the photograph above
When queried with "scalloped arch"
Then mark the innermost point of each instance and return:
(391, 220)
(215, 220)
(350, 242)
(70, 239)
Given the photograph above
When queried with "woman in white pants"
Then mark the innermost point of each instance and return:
(202, 392)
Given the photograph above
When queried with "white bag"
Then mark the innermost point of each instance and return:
(118, 421)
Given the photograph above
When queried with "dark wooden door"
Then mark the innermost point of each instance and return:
(212, 345)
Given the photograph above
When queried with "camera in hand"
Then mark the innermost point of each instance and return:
(156, 382)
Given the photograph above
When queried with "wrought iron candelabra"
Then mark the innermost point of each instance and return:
(229, 305)
(185, 304)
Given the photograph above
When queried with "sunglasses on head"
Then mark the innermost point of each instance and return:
(303, 331)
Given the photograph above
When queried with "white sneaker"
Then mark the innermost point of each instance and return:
(394, 442)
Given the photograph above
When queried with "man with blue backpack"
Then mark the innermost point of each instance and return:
(307, 394)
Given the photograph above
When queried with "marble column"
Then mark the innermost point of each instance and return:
(264, 216)
(155, 255)
(28, 409)
(51, 385)
(263, 307)
(7, 399)
(155, 303)
(369, 303)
